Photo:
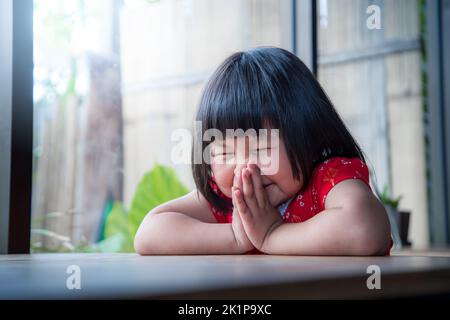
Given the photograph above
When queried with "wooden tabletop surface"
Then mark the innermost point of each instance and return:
(44, 276)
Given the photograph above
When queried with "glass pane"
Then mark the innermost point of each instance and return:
(113, 80)
(378, 92)
(401, 18)
(342, 26)
(357, 90)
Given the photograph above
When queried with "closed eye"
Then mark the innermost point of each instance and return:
(261, 149)
(222, 154)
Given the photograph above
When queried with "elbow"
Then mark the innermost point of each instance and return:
(138, 248)
(140, 243)
(143, 238)
(371, 247)
(142, 248)
(372, 235)
(371, 241)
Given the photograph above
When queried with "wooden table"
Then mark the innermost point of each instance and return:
(44, 276)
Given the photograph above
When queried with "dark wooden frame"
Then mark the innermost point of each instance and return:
(21, 128)
(304, 24)
(304, 32)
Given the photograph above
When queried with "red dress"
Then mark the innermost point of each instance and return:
(311, 201)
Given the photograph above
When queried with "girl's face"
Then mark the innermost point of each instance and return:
(232, 154)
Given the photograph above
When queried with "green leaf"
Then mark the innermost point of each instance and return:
(114, 243)
(387, 200)
(117, 224)
(117, 221)
(159, 185)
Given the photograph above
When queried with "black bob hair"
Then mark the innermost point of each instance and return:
(271, 84)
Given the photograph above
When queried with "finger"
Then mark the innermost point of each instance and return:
(233, 197)
(246, 221)
(247, 184)
(248, 191)
(237, 181)
(237, 218)
(240, 203)
(260, 193)
(235, 213)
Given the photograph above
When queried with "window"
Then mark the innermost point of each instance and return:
(113, 79)
(374, 77)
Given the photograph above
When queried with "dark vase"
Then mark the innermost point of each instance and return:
(403, 226)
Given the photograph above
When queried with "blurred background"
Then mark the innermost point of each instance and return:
(114, 78)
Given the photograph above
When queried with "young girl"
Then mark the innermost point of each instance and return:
(318, 201)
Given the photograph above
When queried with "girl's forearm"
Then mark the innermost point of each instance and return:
(176, 233)
(328, 233)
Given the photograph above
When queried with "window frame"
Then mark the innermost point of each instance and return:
(16, 123)
(17, 126)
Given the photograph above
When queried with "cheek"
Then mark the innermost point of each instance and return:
(283, 178)
(289, 185)
(223, 174)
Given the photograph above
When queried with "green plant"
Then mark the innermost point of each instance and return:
(157, 186)
(116, 233)
(387, 200)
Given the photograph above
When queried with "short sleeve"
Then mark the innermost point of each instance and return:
(221, 217)
(334, 170)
